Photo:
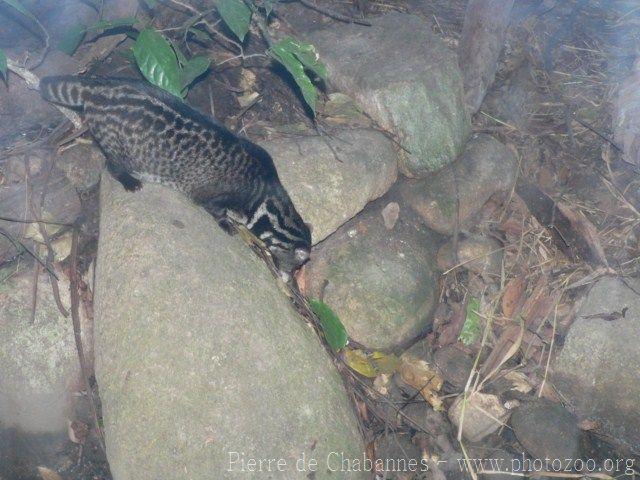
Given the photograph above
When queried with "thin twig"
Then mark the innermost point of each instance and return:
(601, 135)
(34, 292)
(335, 15)
(47, 240)
(77, 333)
(242, 57)
(21, 246)
(210, 27)
(45, 222)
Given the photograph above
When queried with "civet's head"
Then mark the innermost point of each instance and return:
(275, 220)
(285, 234)
(277, 223)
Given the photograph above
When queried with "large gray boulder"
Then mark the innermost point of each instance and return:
(379, 277)
(39, 371)
(485, 168)
(405, 78)
(483, 33)
(331, 178)
(626, 123)
(546, 429)
(201, 360)
(597, 369)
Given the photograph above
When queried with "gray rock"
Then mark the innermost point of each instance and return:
(422, 350)
(627, 111)
(419, 415)
(478, 415)
(454, 364)
(482, 255)
(546, 429)
(398, 457)
(597, 369)
(19, 36)
(40, 370)
(21, 109)
(417, 94)
(485, 168)
(329, 187)
(82, 164)
(381, 282)
(200, 355)
(483, 34)
(513, 100)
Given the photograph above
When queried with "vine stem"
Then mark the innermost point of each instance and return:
(335, 15)
(207, 24)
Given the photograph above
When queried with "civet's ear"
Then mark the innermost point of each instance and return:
(301, 255)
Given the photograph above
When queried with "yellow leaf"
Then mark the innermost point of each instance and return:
(370, 364)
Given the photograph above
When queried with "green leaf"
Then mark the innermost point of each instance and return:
(20, 8)
(193, 69)
(157, 61)
(306, 53)
(471, 328)
(331, 325)
(151, 3)
(117, 23)
(236, 15)
(71, 40)
(295, 67)
(3, 64)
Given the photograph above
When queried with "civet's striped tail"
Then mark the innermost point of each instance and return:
(66, 90)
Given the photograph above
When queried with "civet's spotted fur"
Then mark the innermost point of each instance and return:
(150, 136)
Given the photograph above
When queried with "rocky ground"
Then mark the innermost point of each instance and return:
(471, 180)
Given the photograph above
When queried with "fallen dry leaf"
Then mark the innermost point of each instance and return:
(48, 474)
(572, 232)
(381, 384)
(506, 347)
(247, 99)
(519, 382)
(538, 305)
(513, 296)
(423, 377)
(588, 424)
(449, 332)
(77, 431)
(247, 79)
(512, 226)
